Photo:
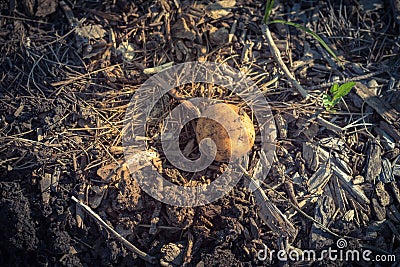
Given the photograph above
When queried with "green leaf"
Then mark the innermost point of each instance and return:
(269, 4)
(310, 32)
(335, 101)
(327, 101)
(334, 88)
(343, 90)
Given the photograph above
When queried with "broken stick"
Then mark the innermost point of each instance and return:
(277, 55)
(141, 254)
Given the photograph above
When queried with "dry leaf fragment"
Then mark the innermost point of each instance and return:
(220, 9)
(127, 50)
(91, 31)
(107, 172)
(46, 7)
(96, 198)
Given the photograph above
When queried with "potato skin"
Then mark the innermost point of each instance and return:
(242, 138)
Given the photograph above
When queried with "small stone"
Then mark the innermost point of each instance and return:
(219, 36)
(181, 30)
(173, 253)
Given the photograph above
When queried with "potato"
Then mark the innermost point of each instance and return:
(239, 126)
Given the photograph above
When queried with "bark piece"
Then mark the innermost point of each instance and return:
(380, 211)
(386, 175)
(45, 184)
(324, 211)
(387, 112)
(270, 214)
(395, 190)
(393, 132)
(373, 167)
(354, 190)
(310, 155)
(319, 179)
(382, 194)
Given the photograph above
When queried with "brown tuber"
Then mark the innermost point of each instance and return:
(235, 140)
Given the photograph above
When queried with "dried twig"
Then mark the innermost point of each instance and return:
(352, 79)
(141, 254)
(82, 76)
(329, 125)
(277, 55)
(189, 250)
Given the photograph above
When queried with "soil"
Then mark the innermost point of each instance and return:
(69, 69)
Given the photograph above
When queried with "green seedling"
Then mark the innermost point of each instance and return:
(268, 8)
(336, 93)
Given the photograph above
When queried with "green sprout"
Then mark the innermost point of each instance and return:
(336, 93)
(268, 8)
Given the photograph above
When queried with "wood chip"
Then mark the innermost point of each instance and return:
(270, 214)
(382, 194)
(45, 184)
(324, 210)
(55, 178)
(386, 175)
(373, 167)
(354, 190)
(319, 179)
(388, 113)
(380, 212)
(282, 126)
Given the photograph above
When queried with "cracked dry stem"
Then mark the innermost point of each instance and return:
(277, 55)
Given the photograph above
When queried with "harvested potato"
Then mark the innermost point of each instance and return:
(235, 140)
